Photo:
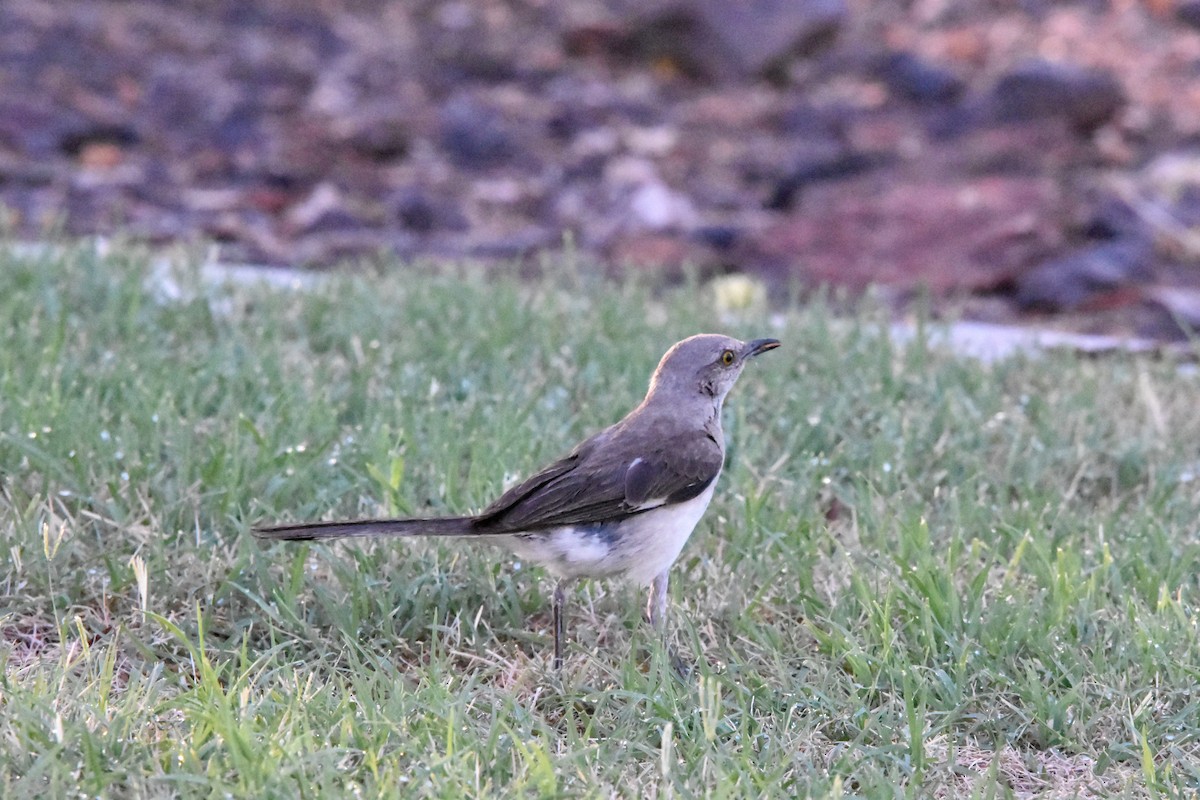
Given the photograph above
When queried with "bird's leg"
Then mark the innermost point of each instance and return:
(560, 599)
(656, 602)
(656, 615)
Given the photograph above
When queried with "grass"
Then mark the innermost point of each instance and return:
(920, 577)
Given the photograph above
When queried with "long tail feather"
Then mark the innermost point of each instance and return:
(443, 526)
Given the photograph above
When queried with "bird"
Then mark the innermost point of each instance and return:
(622, 503)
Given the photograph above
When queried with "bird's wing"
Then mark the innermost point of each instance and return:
(596, 484)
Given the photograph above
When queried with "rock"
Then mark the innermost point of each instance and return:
(326, 210)
(240, 131)
(1187, 206)
(1086, 98)
(656, 207)
(24, 172)
(965, 235)
(100, 144)
(912, 78)
(335, 221)
(819, 123)
(715, 39)
(761, 34)
(1172, 174)
(719, 237)
(420, 212)
(380, 132)
(324, 198)
(1111, 217)
(1161, 201)
(1078, 278)
(815, 166)
(1182, 307)
(93, 207)
(475, 136)
(1188, 12)
(270, 193)
(100, 156)
(33, 126)
(1035, 147)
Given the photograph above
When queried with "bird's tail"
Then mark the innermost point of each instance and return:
(301, 531)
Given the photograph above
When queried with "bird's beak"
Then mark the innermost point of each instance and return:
(759, 346)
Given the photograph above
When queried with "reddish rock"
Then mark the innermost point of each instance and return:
(948, 236)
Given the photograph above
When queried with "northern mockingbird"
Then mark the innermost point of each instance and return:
(623, 502)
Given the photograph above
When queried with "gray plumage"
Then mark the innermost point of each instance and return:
(623, 502)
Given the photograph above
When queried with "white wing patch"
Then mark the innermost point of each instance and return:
(653, 502)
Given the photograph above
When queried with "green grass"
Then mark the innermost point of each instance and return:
(920, 576)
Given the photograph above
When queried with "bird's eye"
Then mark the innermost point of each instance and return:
(727, 357)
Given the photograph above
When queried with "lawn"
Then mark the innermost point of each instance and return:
(921, 576)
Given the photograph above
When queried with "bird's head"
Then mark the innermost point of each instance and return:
(707, 365)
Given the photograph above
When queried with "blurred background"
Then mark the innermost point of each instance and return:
(1024, 159)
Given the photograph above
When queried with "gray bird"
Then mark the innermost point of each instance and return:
(623, 502)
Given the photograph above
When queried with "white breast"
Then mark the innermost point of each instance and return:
(658, 536)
